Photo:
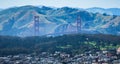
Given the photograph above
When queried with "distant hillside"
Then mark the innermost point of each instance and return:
(18, 21)
(110, 11)
(0, 9)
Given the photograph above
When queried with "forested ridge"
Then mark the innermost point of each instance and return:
(73, 44)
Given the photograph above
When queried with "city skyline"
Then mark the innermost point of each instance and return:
(62, 3)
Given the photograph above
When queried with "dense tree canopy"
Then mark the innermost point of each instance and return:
(73, 44)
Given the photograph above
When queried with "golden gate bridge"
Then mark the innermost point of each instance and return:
(37, 30)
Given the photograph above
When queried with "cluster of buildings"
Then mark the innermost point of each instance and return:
(102, 57)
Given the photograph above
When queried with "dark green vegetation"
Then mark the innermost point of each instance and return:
(73, 44)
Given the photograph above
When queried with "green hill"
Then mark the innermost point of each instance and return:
(73, 44)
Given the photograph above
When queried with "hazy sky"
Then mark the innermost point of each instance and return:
(62, 3)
